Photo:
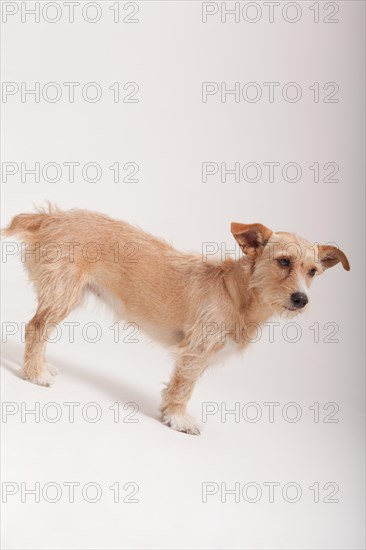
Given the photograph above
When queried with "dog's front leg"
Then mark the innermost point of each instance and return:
(178, 392)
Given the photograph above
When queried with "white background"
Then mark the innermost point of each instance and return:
(169, 133)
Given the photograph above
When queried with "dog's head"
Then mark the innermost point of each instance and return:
(284, 265)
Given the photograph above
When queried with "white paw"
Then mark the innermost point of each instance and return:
(43, 379)
(181, 423)
(52, 369)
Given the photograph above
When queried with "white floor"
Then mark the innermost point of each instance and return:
(171, 474)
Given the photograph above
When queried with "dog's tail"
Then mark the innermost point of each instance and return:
(26, 225)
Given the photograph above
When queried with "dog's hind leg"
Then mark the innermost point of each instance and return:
(57, 297)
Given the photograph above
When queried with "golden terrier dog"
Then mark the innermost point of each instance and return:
(196, 307)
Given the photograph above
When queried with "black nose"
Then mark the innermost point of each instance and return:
(299, 299)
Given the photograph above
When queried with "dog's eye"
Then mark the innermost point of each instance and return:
(285, 262)
(312, 272)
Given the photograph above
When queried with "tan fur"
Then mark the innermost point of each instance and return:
(194, 306)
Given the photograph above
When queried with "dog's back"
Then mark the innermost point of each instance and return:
(69, 252)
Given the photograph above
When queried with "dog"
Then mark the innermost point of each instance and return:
(195, 307)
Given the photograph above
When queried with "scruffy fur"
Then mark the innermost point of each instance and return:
(196, 307)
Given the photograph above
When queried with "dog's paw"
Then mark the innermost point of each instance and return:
(52, 369)
(181, 423)
(42, 379)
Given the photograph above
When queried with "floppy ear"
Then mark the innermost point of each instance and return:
(331, 255)
(251, 237)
